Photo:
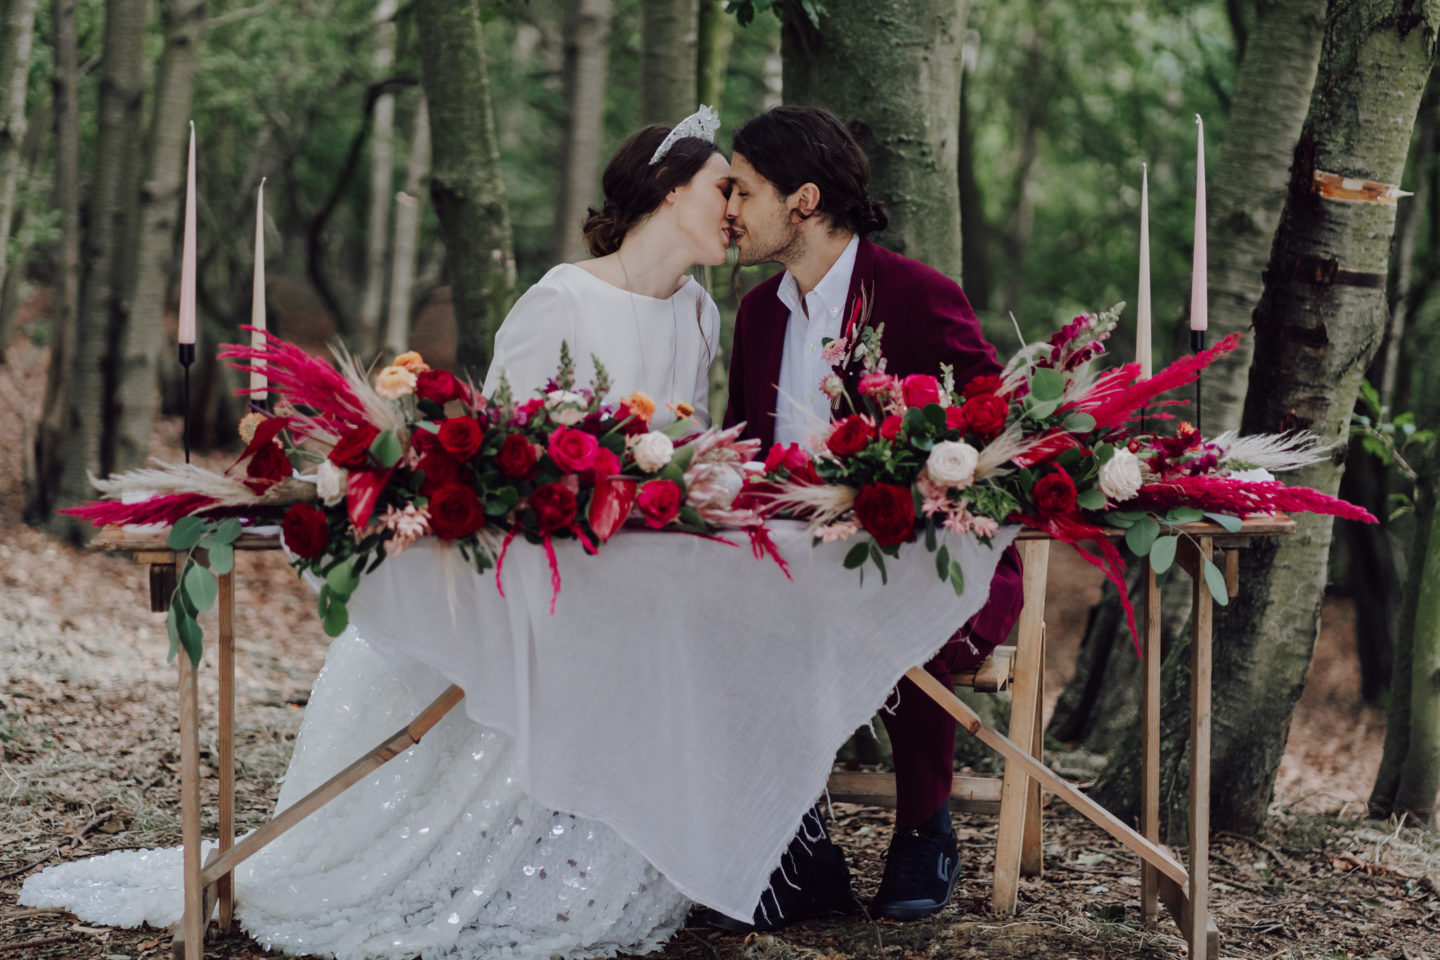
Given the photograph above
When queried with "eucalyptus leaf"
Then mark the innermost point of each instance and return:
(879, 559)
(682, 458)
(386, 448)
(201, 586)
(1140, 537)
(229, 530)
(957, 578)
(190, 639)
(1215, 580)
(222, 559)
(1162, 554)
(857, 555)
(1103, 453)
(942, 562)
(342, 580)
(930, 533)
(1092, 499)
(186, 533)
(172, 627)
(1041, 409)
(337, 618)
(1047, 383)
(1078, 421)
(1231, 524)
(1184, 515)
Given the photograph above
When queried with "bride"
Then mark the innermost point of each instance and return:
(439, 853)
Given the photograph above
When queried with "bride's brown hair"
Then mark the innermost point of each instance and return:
(634, 188)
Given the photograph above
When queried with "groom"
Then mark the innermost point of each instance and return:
(799, 197)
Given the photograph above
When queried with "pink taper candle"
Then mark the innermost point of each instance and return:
(187, 256)
(1199, 296)
(1143, 349)
(257, 299)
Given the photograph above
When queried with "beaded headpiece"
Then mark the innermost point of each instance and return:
(702, 123)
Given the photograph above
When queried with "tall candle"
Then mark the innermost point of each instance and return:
(1199, 299)
(1143, 351)
(187, 256)
(257, 299)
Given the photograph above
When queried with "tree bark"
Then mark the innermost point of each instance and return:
(162, 197)
(716, 36)
(17, 34)
(118, 140)
(909, 129)
(587, 45)
(382, 170)
(407, 232)
(668, 37)
(465, 184)
(1316, 330)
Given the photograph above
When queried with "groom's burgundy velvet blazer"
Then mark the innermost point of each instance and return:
(928, 321)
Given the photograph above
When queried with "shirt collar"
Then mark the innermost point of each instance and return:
(832, 290)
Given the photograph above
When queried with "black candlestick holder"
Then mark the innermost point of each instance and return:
(1197, 344)
(187, 357)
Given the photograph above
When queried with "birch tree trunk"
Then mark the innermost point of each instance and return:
(17, 33)
(587, 45)
(118, 140)
(1317, 326)
(716, 33)
(407, 232)
(162, 197)
(668, 36)
(382, 169)
(907, 129)
(465, 184)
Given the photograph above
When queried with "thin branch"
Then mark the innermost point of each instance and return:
(241, 14)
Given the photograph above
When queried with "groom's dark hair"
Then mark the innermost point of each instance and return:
(791, 146)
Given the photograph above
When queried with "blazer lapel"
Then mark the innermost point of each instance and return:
(767, 353)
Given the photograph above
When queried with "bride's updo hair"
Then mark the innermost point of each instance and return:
(634, 188)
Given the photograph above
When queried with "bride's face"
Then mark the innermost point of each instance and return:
(699, 208)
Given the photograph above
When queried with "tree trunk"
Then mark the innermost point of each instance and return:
(17, 32)
(1317, 326)
(668, 37)
(118, 140)
(407, 232)
(587, 45)
(907, 129)
(465, 185)
(973, 228)
(717, 35)
(162, 197)
(35, 153)
(382, 170)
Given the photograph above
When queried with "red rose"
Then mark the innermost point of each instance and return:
(516, 457)
(887, 512)
(659, 501)
(440, 470)
(920, 389)
(1054, 494)
(851, 435)
(890, 427)
(572, 450)
(790, 457)
(985, 415)
(461, 436)
(353, 450)
(606, 466)
(267, 467)
(424, 441)
(439, 386)
(979, 385)
(955, 419)
(527, 409)
(554, 506)
(305, 531)
(455, 512)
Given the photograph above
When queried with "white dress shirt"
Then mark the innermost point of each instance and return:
(802, 409)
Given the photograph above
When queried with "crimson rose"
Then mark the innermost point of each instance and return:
(572, 450)
(795, 461)
(440, 470)
(979, 385)
(554, 506)
(267, 467)
(985, 414)
(887, 512)
(920, 389)
(353, 450)
(659, 501)
(461, 436)
(516, 457)
(850, 435)
(305, 531)
(438, 386)
(1054, 494)
(890, 427)
(955, 419)
(605, 466)
(455, 512)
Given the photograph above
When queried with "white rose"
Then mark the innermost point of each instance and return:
(567, 408)
(652, 451)
(952, 464)
(330, 482)
(1120, 476)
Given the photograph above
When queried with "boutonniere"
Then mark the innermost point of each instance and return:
(841, 352)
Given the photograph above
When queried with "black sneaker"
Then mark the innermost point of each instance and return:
(811, 881)
(921, 868)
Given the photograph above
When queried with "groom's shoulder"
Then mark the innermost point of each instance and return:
(765, 295)
(914, 275)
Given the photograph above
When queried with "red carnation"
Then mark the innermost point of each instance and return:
(979, 385)
(516, 457)
(887, 512)
(455, 511)
(659, 501)
(353, 450)
(920, 389)
(851, 435)
(554, 506)
(985, 415)
(890, 427)
(1054, 494)
(572, 450)
(267, 467)
(955, 419)
(305, 531)
(438, 386)
(461, 436)
(440, 470)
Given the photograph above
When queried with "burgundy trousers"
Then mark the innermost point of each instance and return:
(922, 733)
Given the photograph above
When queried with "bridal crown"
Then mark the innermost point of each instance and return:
(702, 123)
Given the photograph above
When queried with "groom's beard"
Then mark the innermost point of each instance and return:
(788, 247)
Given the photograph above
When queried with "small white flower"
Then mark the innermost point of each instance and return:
(330, 482)
(952, 464)
(1255, 475)
(832, 386)
(652, 450)
(839, 530)
(1120, 476)
(566, 407)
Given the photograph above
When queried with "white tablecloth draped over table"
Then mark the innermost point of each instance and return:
(683, 692)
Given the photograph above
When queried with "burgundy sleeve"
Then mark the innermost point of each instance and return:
(735, 406)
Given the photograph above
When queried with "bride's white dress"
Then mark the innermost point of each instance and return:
(440, 854)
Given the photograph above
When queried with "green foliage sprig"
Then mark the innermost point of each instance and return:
(197, 586)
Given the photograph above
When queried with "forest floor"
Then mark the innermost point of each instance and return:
(89, 763)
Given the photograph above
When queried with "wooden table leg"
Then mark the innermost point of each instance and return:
(1024, 693)
(226, 891)
(1150, 744)
(191, 932)
(1198, 821)
(1032, 852)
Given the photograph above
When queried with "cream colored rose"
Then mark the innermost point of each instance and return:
(567, 408)
(952, 464)
(395, 382)
(1120, 476)
(330, 482)
(652, 451)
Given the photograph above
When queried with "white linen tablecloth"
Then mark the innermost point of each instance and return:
(683, 692)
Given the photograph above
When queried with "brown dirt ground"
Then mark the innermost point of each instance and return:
(88, 763)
